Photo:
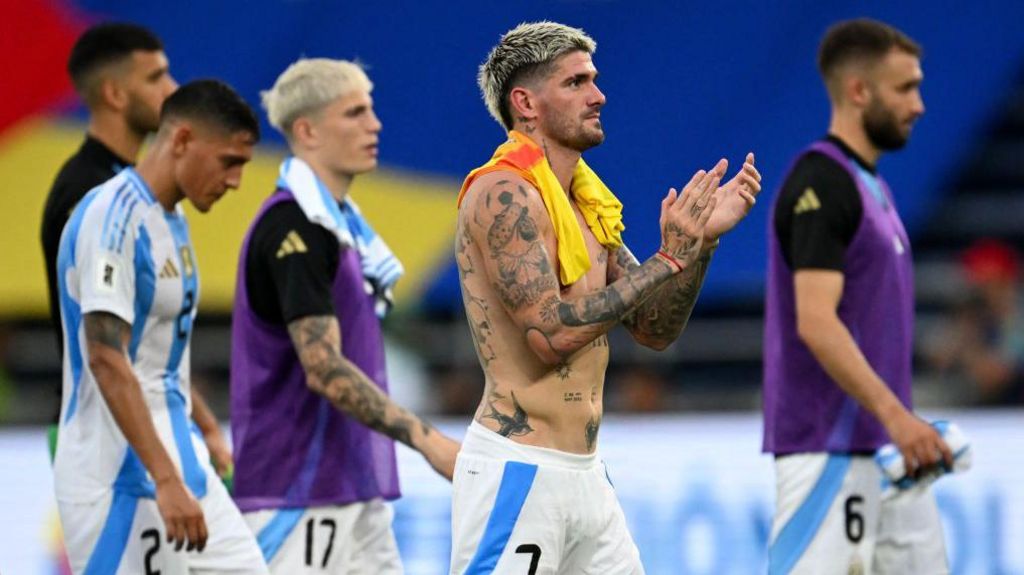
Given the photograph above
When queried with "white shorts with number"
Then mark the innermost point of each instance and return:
(122, 534)
(348, 539)
(830, 518)
(529, 511)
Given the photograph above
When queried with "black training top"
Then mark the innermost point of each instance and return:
(818, 211)
(290, 267)
(92, 164)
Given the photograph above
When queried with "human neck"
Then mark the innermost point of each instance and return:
(849, 128)
(337, 183)
(157, 170)
(112, 131)
(563, 160)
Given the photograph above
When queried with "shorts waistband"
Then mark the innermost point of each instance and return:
(484, 443)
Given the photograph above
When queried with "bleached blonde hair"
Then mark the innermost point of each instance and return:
(525, 53)
(307, 86)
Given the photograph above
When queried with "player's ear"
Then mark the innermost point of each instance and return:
(304, 132)
(522, 104)
(182, 134)
(857, 90)
(111, 92)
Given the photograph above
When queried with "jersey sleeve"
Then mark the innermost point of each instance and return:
(300, 258)
(818, 213)
(105, 262)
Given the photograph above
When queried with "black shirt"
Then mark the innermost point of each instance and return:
(91, 165)
(819, 210)
(290, 267)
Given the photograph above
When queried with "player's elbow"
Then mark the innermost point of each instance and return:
(810, 328)
(549, 349)
(655, 343)
(100, 368)
(103, 363)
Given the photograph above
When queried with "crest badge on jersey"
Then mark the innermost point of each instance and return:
(186, 261)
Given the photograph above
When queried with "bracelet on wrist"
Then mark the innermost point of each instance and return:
(671, 261)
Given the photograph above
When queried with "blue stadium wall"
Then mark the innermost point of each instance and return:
(687, 83)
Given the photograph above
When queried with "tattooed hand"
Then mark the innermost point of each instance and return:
(734, 200)
(684, 216)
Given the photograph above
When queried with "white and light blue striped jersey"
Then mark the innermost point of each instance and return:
(123, 254)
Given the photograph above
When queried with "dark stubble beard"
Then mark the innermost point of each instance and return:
(140, 118)
(882, 127)
(573, 133)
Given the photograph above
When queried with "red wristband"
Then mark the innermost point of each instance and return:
(679, 267)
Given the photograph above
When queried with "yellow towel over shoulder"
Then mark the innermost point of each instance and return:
(600, 208)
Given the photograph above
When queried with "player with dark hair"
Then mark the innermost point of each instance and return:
(130, 472)
(121, 73)
(839, 328)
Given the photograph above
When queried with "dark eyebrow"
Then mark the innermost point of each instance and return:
(156, 74)
(581, 77)
(234, 159)
(910, 84)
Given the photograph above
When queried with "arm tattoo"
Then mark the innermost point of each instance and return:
(686, 243)
(462, 242)
(612, 303)
(524, 272)
(508, 425)
(524, 279)
(477, 308)
(480, 327)
(318, 344)
(106, 329)
(663, 316)
(604, 305)
(549, 310)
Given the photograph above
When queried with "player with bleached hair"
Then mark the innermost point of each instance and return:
(545, 276)
(313, 425)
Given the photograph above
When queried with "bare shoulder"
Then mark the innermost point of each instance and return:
(496, 192)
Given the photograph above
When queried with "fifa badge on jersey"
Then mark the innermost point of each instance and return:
(106, 275)
(897, 245)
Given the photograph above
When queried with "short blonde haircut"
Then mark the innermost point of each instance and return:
(524, 54)
(307, 86)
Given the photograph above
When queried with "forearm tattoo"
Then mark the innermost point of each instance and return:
(106, 329)
(318, 343)
(524, 277)
(663, 316)
(685, 244)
